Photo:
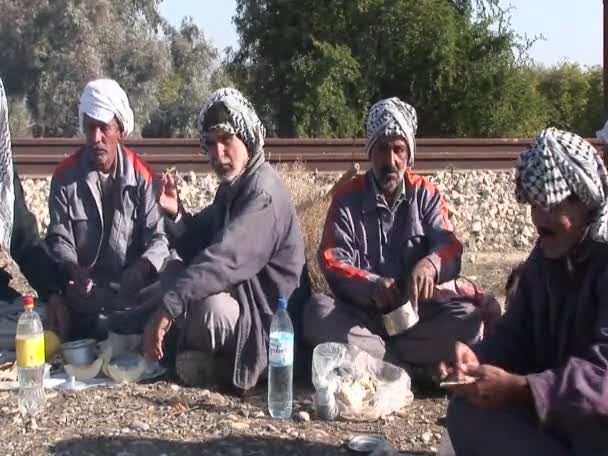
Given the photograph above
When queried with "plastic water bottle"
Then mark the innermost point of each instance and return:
(29, 343)
(280, 360)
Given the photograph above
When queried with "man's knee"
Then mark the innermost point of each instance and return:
(215, 308)
(327, 320)
(211, 323)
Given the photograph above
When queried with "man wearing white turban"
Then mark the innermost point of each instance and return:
(105, 224)
(19, 236)
(387, 239)
(540, 381)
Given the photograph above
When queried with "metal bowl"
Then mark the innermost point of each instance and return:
(366, 443)
(400, 320)
(79, 352)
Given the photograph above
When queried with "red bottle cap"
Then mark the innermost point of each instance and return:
(28, 302)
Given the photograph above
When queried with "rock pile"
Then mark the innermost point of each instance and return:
(482, 203)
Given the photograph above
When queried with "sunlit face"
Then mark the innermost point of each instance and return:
(227, 153)
(102, 141)
(562, 227)
(389, 156)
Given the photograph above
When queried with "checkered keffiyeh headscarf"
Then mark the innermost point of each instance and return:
(242, 120)
(7, 189)
(560, 164)
(392, 116)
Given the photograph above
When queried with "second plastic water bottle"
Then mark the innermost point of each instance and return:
(280, 363)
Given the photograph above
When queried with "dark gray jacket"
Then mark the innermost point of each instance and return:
(249, 240)
(555, 332)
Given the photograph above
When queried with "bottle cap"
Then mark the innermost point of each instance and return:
(282, 303)
(28, 302)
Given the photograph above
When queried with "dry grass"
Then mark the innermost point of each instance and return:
(311, 194)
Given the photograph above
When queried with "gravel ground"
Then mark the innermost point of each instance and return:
(165, 419)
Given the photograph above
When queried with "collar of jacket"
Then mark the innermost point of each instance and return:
(373, 198)
(124, 174)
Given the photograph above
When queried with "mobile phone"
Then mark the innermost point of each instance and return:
(452, 381)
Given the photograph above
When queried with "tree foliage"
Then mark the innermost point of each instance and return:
(315, 67)
(51, 48)
(311, 67)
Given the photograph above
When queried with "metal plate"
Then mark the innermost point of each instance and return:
(366, 443)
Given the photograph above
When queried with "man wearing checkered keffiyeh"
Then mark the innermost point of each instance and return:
(542, 374)
(241, 253)
(561, 164)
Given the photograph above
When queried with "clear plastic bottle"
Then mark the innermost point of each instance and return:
(29, 343)
(280, 363)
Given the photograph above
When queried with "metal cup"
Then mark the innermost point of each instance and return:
(79, 352)
(400, 319)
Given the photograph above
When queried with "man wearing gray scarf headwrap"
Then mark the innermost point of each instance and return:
(388, 243)
(542, 375)
(240, 254)
(19, 236)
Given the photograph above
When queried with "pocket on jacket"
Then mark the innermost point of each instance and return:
(81, 229)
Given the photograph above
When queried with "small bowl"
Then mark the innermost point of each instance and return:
(366, 443)
(400, 320)
(79, 352)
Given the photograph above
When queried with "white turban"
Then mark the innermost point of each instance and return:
(392, 116)
(103, 99)
(7, 189)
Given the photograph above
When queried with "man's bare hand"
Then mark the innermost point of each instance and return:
(154, 334)
(168, 196)
(421, 282)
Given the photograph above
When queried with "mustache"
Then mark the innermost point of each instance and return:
(543, 231)
(389, 170)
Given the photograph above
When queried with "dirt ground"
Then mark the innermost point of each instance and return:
(163, 418)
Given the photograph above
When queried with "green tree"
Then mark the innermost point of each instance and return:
(195, 73)
(573, 96)
(315, 66)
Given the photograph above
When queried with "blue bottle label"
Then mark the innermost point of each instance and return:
(281, 349)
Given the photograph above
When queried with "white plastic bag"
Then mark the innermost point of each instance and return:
(355, 385)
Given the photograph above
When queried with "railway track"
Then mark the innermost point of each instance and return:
(39, 157)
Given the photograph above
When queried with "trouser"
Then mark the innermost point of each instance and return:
(210, 325)
(431, 340)
(506, 431)
(515, 430)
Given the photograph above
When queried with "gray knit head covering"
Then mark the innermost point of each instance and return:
(392, 116)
